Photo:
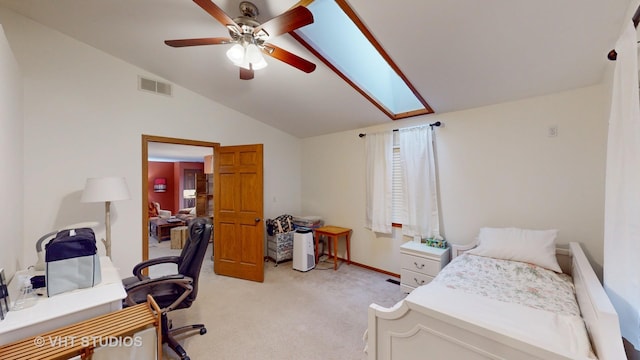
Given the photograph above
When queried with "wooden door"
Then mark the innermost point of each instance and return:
(238, 241)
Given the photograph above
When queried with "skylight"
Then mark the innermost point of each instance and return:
(340, 39)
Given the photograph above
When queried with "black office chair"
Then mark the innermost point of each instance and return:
(176, 291)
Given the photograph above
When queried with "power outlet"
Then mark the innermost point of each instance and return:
(552, 131)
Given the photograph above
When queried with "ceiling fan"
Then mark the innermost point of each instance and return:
(250, 37)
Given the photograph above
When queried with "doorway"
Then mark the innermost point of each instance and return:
(146, 140)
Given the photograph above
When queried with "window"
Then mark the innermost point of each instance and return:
(342, 41)
(397, 181)
(409, 199)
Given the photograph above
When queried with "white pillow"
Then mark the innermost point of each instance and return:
(531, 246)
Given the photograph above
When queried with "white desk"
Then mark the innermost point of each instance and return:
(50, 313)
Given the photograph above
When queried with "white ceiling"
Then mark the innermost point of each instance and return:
(458, 54)
(173, 152)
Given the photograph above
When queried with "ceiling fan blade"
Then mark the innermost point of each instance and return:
(287, 21)
(216, 12)
(289, 58)
(198, 42)
(246, 74)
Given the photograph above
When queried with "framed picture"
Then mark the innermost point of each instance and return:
(4, 295)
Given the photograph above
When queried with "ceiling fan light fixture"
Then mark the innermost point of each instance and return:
(253, 54)
(247, 56)
(245, 64)
(260, 64)
(249, 37)
(236, 54)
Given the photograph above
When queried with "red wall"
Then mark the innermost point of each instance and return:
(165, 170)
(172, 198)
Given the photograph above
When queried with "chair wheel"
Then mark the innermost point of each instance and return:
(203, 331)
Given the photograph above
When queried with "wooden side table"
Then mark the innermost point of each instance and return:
(333, 233)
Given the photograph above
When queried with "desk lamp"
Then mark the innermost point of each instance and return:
(106, 189)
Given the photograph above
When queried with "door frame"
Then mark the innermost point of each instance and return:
(146, 139)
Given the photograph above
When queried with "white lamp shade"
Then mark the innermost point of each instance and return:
(105, 189)
(245, 64)
(189, 194)
(253, 54)
(236, 54)
(249, 57)
(259, 65)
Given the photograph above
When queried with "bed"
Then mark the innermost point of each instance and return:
(443, 321)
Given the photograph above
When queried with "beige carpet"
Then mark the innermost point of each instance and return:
(319, 314)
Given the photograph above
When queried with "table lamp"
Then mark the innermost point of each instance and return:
(106, 189)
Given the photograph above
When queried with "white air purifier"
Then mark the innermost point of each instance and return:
(303, 254)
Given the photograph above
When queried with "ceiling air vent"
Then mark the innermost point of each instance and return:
(154, 86)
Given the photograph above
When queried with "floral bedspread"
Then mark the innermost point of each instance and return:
(511, 281)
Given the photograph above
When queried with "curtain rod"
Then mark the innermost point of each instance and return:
(613, 55)
(436, 124)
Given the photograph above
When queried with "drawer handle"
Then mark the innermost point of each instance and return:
(418, 266)
(419, 282)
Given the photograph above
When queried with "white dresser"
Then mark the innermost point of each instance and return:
(420, 264)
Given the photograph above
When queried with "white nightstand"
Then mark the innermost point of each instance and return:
(420, 264)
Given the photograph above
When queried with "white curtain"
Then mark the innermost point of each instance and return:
(622, 191)
(379, 160)
(420, 196)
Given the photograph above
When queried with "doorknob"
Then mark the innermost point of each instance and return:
(257, 219)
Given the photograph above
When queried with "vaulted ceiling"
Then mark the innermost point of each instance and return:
(458, 54)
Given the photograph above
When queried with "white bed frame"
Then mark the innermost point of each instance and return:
(409, 331)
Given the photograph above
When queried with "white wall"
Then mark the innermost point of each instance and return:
(11, 168)
(84, 117)
(497, 167)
